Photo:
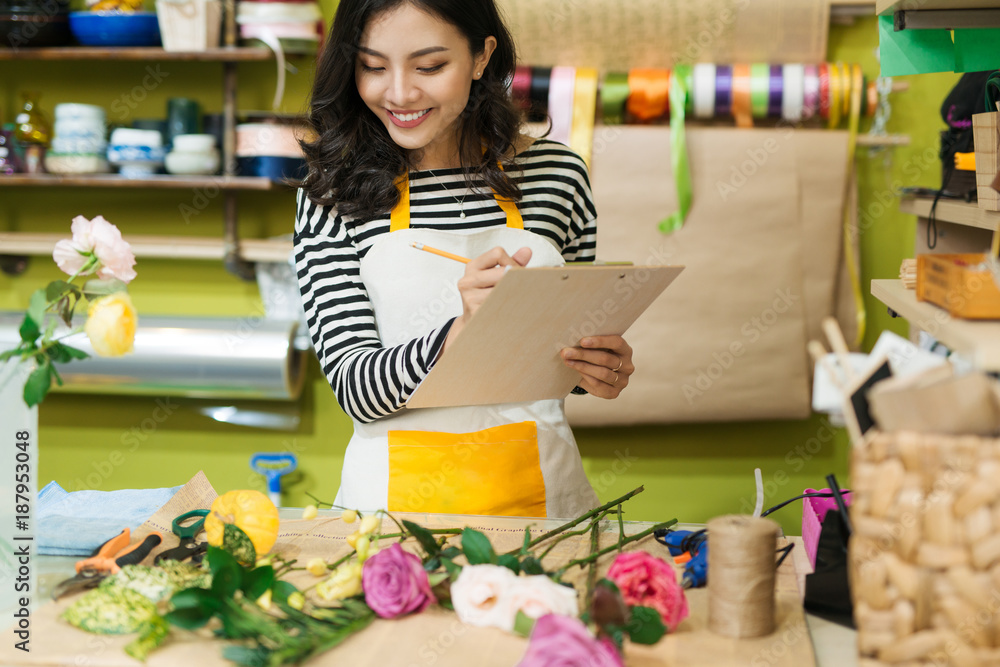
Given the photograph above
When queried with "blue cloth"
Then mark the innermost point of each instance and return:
(75, 524)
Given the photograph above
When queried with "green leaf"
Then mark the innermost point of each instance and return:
(55, 374)
(63, 354)
(532, 565)
(246, 656)
(452, 568)
(37, 385)
(523, 624)
(477, 547)
(227, 575)
(432, 564)
(450, 552)
(257, 581)
(437, 578)
(280, 591)
(510, 562)
(189, 618)
(423, 536)
(236, 542)
(149, 639)
(645, 626)
(57, 289)
(98, 287)
(31, 327)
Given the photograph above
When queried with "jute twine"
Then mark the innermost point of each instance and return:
(741, 569)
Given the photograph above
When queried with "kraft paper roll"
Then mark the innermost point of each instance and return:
(741, 574)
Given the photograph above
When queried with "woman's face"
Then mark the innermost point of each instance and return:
(415, 71)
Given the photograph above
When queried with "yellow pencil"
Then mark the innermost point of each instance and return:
(427, 248)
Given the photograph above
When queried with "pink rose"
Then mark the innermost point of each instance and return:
(95, 238)
(564, 641)
(395, 583)
(648, 581)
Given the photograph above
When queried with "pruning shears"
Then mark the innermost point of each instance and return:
(108, 559)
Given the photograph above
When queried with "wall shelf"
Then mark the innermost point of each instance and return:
(883, 7)
(977, 340)
(953, 211)
(226, 54)
(28, 244)
(163, 182)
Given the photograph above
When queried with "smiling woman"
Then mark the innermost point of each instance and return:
(418, 143)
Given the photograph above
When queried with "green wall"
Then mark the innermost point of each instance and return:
(691, 472)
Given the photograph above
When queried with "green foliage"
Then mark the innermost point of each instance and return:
(645, 626)
(523, 624)
(510, 562)
(477, 547)
(423, 536)
(237, 543)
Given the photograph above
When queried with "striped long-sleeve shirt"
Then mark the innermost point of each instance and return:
(369, 379)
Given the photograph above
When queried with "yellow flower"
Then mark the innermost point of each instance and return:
(309, 512)
(111, 322)
(349, 516)
(345, 582)
(362, 547)
(352, 539)
(369, 525)
(317, 567)
(264, 601)
(296, 600)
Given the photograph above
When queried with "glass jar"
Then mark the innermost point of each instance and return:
(9, 161)
(33, 126)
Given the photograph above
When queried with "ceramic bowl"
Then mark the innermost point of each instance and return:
(195, 163)
(115, 28)
(83, 113)
(127, 136)
(79, 145)
(194, 143)
(78, 129)
(75, 164)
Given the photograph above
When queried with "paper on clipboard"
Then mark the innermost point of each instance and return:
(509, 352)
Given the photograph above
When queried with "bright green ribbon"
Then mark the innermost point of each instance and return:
(678, 149)
(760, 89)
(614, 95)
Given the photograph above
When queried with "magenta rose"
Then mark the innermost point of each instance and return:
(395, 583)
(563, 641)
(648, 581)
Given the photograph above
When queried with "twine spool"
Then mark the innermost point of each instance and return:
(741, 569)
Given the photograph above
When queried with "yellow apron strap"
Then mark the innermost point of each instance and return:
(400, 216)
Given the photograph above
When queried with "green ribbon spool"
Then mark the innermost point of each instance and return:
(679, 99)
(614, 95)
(760, 89)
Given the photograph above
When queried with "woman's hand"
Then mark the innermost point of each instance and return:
(604, 362)
(481, 275)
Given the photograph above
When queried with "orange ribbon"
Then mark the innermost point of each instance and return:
(742, 106)
(649, 95)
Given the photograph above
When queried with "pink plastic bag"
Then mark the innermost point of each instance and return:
(813, 512)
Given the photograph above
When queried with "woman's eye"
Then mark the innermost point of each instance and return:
(431, 70)
(369, 68)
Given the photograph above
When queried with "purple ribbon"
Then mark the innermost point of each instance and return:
(776, 86)
(723, 90)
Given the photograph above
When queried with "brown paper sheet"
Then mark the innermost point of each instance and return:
(435, 637)
(762, 249)
(625, 34)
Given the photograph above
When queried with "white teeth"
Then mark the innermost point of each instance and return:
(407, 117)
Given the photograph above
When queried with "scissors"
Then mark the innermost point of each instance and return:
(188, 547)
(107, 559)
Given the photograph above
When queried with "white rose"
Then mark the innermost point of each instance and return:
(481, 596)
(538, 595)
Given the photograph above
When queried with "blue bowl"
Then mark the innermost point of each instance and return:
(269, 166)
(115, 28)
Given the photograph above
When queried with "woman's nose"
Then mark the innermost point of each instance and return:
(403, 90)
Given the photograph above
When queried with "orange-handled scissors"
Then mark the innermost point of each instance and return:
(109, 558)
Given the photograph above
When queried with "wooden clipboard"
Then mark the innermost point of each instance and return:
(509, 351)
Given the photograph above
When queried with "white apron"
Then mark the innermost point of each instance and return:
(512, 459)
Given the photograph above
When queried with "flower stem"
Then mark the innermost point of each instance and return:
(594, 545)
(591, 526)
(621, 529)
(632, 538)
(581, 519)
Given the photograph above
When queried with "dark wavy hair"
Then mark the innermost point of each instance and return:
(354, 163)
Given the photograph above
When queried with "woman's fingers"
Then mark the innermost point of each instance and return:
(604, 364)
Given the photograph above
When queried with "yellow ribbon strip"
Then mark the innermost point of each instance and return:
(835, 110)
(581, 136)
(856, 93)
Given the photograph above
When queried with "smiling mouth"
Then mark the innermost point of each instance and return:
(409, 117)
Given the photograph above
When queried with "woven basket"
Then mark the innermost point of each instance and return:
(925, 554)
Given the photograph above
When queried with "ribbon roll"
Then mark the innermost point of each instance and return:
(824, 90)
(873, 102)
(793, 96)
(723, 90)
(742, 96)
(776, 89)
(614, 95)
(678, 150)
(520, 87)
(810, 91)
(760, 89)
(836, 91)
(857, 93)
(703, 90)
(845, 89)
(686, 72)
(649, 93)
(539, 94)
(561, 86)
(581, 137)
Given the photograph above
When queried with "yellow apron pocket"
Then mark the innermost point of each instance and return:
(494, 472)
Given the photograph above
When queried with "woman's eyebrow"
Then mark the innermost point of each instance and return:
(415, 54)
